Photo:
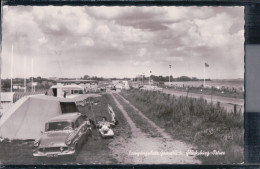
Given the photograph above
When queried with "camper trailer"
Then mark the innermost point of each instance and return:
(68, 91)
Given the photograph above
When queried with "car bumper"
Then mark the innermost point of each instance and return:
(53, 154)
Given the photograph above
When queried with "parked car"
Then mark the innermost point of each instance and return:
(63, 135)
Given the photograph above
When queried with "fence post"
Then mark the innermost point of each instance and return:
(218, 104)
(235, 108)
(188, 92)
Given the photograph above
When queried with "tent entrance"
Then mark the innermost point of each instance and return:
(68, 107)
(54, 90)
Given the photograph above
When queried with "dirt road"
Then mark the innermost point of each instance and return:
(155, 146)
(226, 102)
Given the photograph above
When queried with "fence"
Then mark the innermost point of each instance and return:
(18, 95)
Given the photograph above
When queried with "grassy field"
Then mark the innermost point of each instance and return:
(195, 121)
(100, 109)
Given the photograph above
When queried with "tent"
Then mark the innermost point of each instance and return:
(28, 115)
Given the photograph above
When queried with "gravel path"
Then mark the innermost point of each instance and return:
(142, 148)
(226, 102)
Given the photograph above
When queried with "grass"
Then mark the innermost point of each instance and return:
(207, 126)
(140, 122)
(100, 108)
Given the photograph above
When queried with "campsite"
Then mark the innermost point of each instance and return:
(135, 128)
(122, 85)
(18, 151)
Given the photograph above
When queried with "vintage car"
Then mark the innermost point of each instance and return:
(62, 136)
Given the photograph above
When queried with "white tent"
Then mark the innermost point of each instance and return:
(28, 115)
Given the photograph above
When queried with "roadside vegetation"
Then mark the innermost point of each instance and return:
(224, 92)
(207, 126)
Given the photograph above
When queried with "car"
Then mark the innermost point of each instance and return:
(63, 135)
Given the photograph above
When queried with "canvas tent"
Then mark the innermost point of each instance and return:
(28, 115)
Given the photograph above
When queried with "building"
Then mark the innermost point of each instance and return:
(54, 78)
(34, 84)
(7, 97)
(19, 86)
(115, 82)
(121, 84)
(86, 84)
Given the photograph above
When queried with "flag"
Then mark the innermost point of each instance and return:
(110, 110)
(206, 65)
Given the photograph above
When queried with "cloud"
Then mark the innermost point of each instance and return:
(124, 41)
(142, 52)
(42, 40)
(87, 42)
(60, 21)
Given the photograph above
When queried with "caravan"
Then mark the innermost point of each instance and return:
(68, 91)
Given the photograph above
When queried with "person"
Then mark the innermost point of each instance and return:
(104, 125)
(104, 122)
(64, 95)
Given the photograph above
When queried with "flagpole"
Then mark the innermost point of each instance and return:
(150, 79)
(12, 57)
(24, 74)
(143, 79)
(32, 74)
(204, 75)
(169, 74)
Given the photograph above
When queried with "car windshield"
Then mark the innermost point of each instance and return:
(56, 126)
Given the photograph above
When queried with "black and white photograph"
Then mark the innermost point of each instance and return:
(122, 85)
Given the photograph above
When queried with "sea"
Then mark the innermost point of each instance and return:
(218, 83)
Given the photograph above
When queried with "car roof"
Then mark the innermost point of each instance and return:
(66, 117)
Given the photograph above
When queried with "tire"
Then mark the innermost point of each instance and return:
(72, 158)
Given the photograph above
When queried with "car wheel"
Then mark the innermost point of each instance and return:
(77, 149)
(40, 160)
(72, 158)
(86, 137)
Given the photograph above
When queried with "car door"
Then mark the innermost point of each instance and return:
(81, 127)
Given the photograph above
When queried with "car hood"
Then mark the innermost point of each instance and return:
(54, 139)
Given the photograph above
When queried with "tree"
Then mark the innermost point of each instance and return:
(86, 77)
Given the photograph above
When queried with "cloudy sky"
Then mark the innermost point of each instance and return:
(123, 41)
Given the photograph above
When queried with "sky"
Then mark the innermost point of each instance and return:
(53, 41)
